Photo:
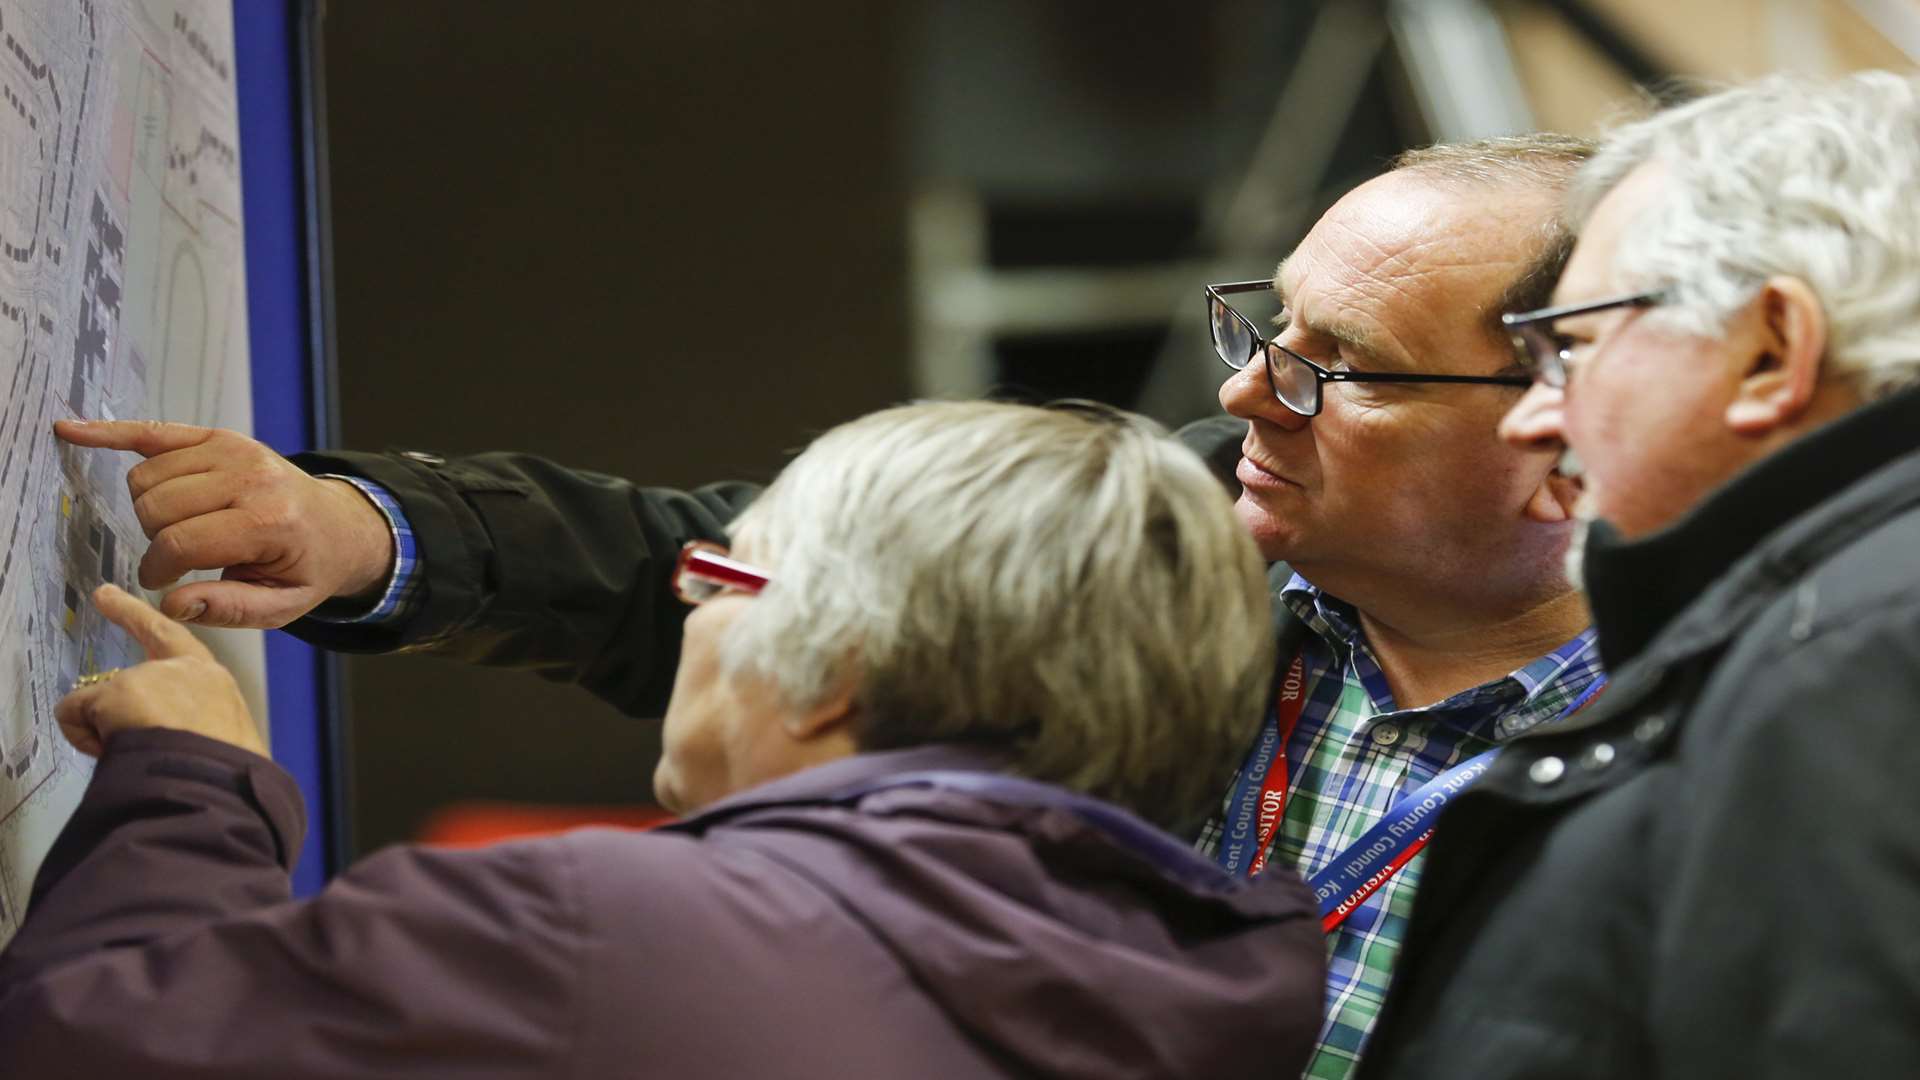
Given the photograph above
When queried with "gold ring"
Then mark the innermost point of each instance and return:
(96, 678)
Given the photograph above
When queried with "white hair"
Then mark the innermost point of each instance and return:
(1067, 584)
(1815, 180)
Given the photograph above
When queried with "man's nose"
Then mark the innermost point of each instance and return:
(1248, 394)
(1537, 420)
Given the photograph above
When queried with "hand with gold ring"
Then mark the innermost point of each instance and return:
(95, 678)
(180, 686)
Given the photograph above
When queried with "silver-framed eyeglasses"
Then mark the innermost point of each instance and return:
(1295, 380)
(1548, 353)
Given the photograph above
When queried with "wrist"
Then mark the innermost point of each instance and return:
(369, 549)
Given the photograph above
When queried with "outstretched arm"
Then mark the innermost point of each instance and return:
(522, 563)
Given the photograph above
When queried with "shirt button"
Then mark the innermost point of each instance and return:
(1597, 757)
(1651, 728)
(423, 457)
(1547, 770)
(1385, 735)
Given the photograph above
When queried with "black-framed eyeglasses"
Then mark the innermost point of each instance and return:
(1295, 380)
(1548, 353)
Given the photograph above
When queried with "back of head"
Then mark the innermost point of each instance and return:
(1067, 585)
(1787, 176)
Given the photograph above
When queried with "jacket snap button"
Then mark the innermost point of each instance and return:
(1547, 770)
(1385, 735)
(1651, 728)
(1597, 757)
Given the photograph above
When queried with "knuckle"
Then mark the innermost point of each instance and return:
(145, 507)
(272, 514)
(258, 478)
(240, 448)
(170, 547)
(215, 615)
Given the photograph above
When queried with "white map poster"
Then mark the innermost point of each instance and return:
(122, 295)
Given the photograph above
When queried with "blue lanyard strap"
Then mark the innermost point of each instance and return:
(1366, 864)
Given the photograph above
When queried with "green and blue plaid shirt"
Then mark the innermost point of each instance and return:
(1352, 755)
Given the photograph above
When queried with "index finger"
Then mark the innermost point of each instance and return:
(144, 437)
(160, 636)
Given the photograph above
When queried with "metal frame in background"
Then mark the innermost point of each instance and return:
(282, 115)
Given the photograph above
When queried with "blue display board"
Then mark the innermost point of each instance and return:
(283, 175)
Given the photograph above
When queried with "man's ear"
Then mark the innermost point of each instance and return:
(1789, 343)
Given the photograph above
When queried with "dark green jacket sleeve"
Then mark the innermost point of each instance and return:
(530, 565)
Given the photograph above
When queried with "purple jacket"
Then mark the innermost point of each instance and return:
(839, 922)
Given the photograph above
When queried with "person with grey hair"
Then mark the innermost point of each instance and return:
(923, 707)
(1421, 617)
(1715, 871)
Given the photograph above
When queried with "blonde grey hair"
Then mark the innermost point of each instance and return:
(1068, 585)
(1815, 180)
(1543, 159)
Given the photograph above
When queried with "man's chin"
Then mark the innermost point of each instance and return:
(1276, 542)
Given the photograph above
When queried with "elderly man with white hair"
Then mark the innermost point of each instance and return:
(1716, 870)
(914, 707)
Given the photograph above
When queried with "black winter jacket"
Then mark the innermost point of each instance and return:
(1715, 870)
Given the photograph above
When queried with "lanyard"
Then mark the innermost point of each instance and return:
(1259, 801)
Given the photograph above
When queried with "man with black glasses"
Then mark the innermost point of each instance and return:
(1715, 871)
(1423, 615)
(1423, 618)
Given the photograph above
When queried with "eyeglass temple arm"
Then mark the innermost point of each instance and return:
(1371, 376)
(1518, 320)
(717, 567)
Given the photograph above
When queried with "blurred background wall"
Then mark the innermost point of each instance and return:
(672, 241)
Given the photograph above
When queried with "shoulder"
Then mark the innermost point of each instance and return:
(1849, 623)
(768, 869)
(1820, 686)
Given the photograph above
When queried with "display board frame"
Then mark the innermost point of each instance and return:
(278, 61)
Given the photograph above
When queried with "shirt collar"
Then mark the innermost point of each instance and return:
(1536, 691)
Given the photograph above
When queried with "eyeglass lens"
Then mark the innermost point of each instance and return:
(1544, 352)
(1294, 383)
(1233, 339)
(695, 589)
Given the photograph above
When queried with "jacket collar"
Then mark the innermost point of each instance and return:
(823, 781)
(1636, 588)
